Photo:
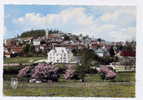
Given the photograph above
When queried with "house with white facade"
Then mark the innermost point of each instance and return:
(119, 67)
(101, 52)
(60, 55)
(36, 42)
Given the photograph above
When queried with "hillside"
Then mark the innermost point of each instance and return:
(37, 33)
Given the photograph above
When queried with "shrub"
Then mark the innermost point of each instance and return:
(41, 72)
(12, 69)
(24, 72)
(45, 71)
(107, 72)
(70, 73)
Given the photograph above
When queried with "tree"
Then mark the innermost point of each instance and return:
(66, 37)
(87, 56)
(28, 50)
(70, 72)
(99, 39)
(38, 33)
(111, 51)
(33, 33)
(74, 72)
(75, 52)
(80, 72)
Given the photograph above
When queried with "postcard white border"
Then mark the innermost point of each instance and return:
(139, 38)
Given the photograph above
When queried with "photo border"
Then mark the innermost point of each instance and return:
(139, 40)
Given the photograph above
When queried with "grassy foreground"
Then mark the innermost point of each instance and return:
(122, 86)
(22, 59)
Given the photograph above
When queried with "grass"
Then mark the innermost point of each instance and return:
(99, 89)
(121, 77)
(123, 86)
(22, 59)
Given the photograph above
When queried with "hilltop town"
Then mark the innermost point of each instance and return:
(46, 58)
(69, 51)
(65, 48)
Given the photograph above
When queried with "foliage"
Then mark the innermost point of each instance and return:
(28, 50)
(95, 87)
(77, 72)
(11, 69)
(33, 33)
(38, 33)
(81, 72)
(107, 72)
(88, 59)
(111, 51)
(66, 37)
(24, 72)
(45, 71)
(70, 72)
(61, 67)
(106, 60)
(40, 72)
(87, 56)
(100, 40)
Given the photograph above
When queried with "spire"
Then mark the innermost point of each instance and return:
(46, 33)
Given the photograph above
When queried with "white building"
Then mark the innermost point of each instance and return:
(60, 55)
(101, 52)
(36, 42)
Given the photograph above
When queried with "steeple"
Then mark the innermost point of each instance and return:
(46, 33)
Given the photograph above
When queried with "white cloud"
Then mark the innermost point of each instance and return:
(112, 25)
(5, 29)
(122, 16)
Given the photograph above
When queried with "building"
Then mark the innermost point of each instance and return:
(60, 55)
(7, 55)
(128, 53)
(119, 67)
(12, 51)
(36, 42)
(10, 42)
(124, 68)
(101, 52)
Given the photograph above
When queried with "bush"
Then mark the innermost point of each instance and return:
(107, 73)
(75, 72)
(45, 71)
(12, 69)
(70, 73)
(41, 72)
(61, 68)
(24, 72)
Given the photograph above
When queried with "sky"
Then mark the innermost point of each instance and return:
(111, 23)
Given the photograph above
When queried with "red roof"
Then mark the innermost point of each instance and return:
(128, 53)
(6, 53)
(17, 49)
(53, 35)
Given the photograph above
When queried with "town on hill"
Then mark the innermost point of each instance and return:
(53, 42)
(48, 54)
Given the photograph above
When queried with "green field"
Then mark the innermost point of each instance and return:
(22, 59)
(122, 86)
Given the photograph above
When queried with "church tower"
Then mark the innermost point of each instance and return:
(46, 33)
